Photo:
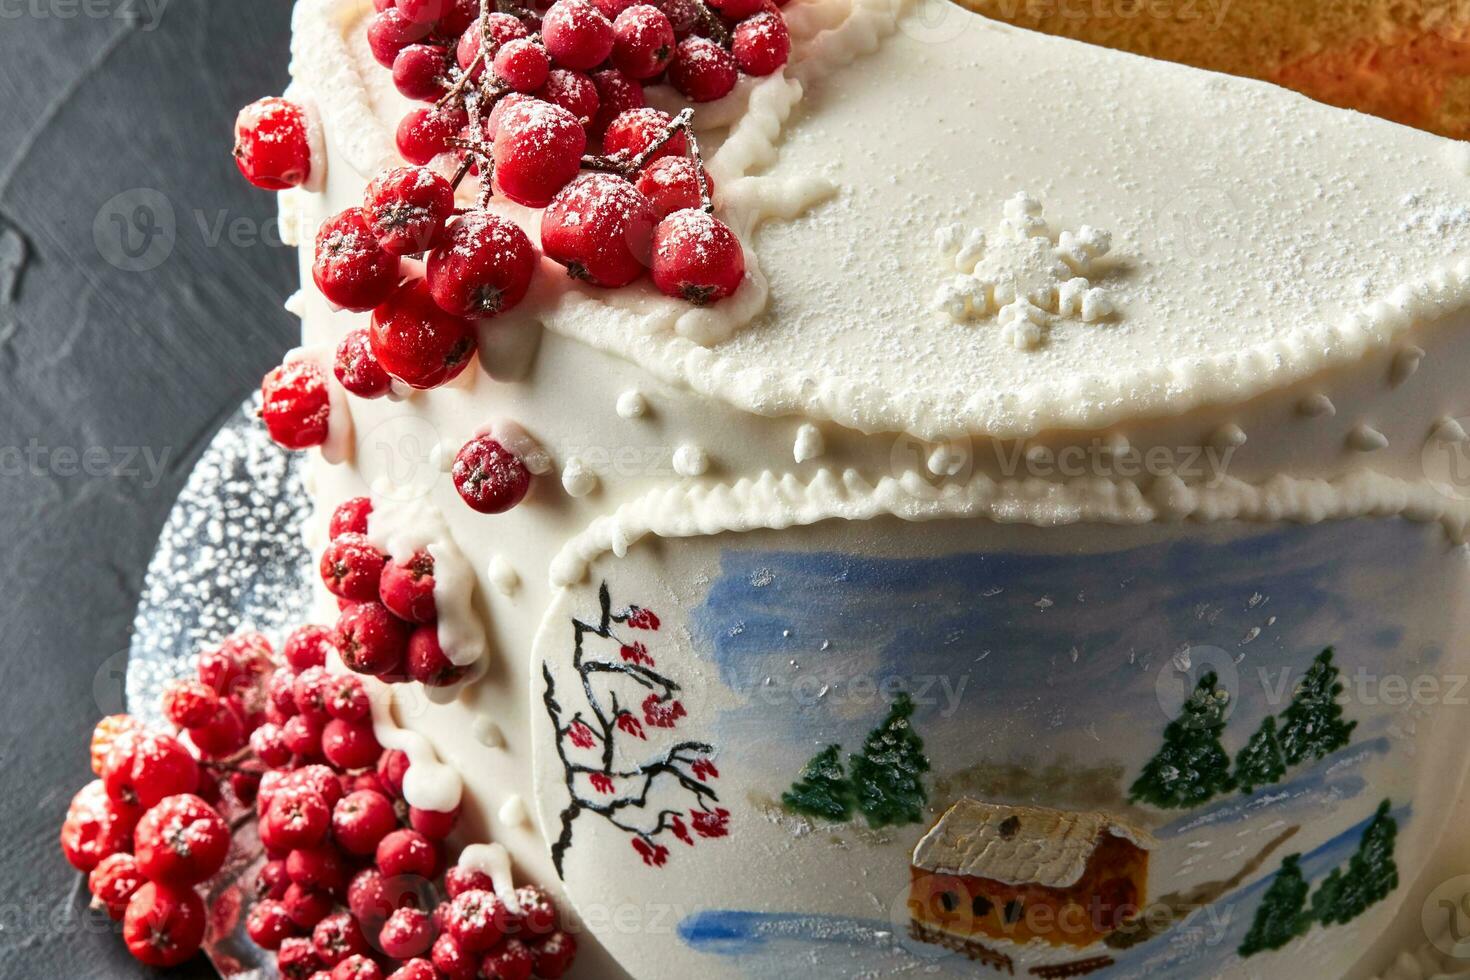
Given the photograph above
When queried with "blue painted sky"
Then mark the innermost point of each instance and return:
(1050, 654)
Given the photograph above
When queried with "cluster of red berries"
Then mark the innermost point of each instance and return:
(388, 626)
(521, 98)
(351, 884)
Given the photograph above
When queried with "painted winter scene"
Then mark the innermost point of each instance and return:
(1176, 759)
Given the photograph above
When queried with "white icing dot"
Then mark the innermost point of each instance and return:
(1229, 434)
(632, 404)
(809, 443)
(691, 460)
(1316, 406)
(1450, 430)
(1366, 439)
(488, 732)
(1405, 363)
(513, 811)
(948, 460)
(577, 479)
(503, 576)
(296, 304)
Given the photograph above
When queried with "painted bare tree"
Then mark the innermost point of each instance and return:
(624, 698)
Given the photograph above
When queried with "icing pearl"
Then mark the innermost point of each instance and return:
(577, 479)
(632, 405)
(809, 443)
(691, 460)
(502, 576)
(1366, 439)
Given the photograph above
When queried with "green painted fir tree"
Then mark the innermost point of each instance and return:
(1282, 915)
(1372, 873)
(1312, 727)
(888, 775)
(822, 789)
(1261, 762)
(1192, 767)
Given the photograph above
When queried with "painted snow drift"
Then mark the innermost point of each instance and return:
(1147, 754)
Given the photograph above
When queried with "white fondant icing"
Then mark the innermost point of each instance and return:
(632, 405)
(809, 443)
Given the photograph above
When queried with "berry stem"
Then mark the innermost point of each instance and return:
(461, 82)
(698, 158)
(680, 123)
(719, 33)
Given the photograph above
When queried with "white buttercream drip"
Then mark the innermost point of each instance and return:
(492, 860)
(399, 528)
(502, 575)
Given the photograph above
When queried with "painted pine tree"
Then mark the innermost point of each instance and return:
(1261, 762)
(1192, 767)
(1312, 727)
(888, 775)
(1371, 876)
(1282, 914)
(822, 790)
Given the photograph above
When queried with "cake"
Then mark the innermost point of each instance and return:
(1409, 62)
(1046, 560)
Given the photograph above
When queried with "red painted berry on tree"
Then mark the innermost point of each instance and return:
(483, 269)
(537, 150)
(350, 517)
(417, 341)
(522, 64)
(577, 35)
(696, 257)
(761, 44)
(637, 129)
(600, 227)
(272, 149)
(164, 925)
(351, 567)
(425, 132)
(702, 70)
(351, 269)
(616, 94)
(672, 184)
(295, 406)
(427, 662)
(406, 208)
(489, 477)
(574, 91)
(643, 41)
(371, 639)
(357, 368)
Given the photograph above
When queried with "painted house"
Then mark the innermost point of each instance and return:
(1023, 873)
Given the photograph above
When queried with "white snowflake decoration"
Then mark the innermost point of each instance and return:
(1021, 275)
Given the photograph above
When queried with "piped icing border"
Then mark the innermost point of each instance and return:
(777, 502)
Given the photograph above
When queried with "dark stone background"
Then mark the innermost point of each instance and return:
(114, 377)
